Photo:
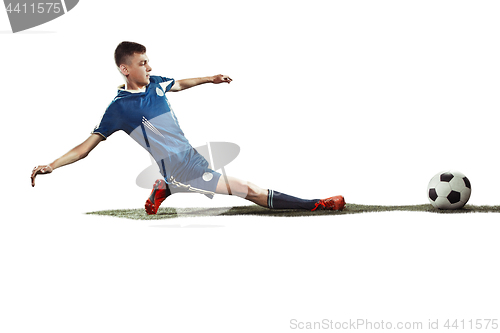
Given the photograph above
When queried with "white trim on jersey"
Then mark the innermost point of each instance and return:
(164, 85)
(137, 91)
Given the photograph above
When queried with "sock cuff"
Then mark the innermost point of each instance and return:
(270, 197)
(278, 200)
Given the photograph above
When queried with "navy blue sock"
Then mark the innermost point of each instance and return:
(277, 200)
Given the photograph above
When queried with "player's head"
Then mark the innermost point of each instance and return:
(133, 63)
(125, 50)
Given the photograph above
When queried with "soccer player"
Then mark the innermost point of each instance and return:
(142, 110)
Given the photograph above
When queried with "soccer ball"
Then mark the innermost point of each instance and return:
(449, 190)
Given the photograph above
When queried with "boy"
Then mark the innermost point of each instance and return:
(142, 110)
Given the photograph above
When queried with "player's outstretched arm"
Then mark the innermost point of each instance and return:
(75, 154)
(188, 83)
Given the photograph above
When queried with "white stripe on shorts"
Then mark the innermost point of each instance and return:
(188, 187)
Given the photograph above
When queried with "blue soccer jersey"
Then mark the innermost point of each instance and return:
(149, 119)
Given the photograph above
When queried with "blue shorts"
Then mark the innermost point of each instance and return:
(196, 178)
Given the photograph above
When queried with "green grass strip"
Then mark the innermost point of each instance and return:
(254, 210)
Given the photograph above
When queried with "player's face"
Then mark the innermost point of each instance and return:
(138, 70)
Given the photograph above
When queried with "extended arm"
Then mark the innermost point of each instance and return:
(75, 154)
(188, 83)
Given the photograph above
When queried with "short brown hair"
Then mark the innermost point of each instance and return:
(127, 49)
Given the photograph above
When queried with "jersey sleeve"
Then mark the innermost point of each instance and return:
(110, 122)
(165, 82)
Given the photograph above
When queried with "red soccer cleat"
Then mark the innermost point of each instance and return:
(333, 203)
(159, 193)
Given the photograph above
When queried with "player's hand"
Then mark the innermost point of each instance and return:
(221, 78)
(41, 169)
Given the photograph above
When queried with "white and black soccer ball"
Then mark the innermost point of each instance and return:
(449, 190)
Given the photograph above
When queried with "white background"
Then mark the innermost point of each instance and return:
(368, 99)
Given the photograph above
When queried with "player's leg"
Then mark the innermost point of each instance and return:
(242, 189)
(274, 199)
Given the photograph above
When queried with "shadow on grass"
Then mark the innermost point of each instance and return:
(254, 210)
